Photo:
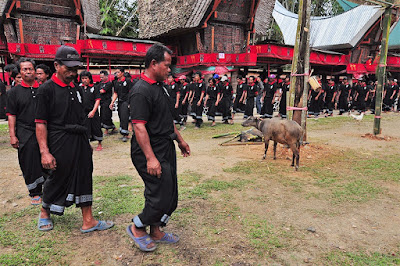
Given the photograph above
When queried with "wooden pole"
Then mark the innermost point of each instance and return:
(212, 39)
(382, 70)
(299, 69)
(306, 70)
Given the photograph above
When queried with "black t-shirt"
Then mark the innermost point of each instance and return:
(330, 90)
(270, 89)
(59, 104)
(212, 92)
(184, 89)
(344, 90)
(227, 91)
(122, 88)
(198, 88)
(362, 92)
(150, 105)
(173, 90)
(90, 95)
(106, 90)
(240, 88)
(252, 90)
(22, 103)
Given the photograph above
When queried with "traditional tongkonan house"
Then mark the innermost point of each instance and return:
(36, 28)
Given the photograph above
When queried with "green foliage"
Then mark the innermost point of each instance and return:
(117, 15)
(349, 258)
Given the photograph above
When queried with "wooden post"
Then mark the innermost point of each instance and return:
(109, 67)
(78, 32)
(382, 70)
(21, 30)
(300, 65)
(212, 39)
(87, 63)
(304, 100)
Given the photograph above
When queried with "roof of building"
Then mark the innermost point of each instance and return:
(336, 32)
(91, 11)
(157, 18)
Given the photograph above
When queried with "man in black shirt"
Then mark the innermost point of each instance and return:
(361, 96)
(106, 89)
(249, 92)
(153, 150)
(64, 145)
(268, 95)
(91, 102)
(330, 97)
(198, 90)
(184, 98)
(42, 73)
(3, 100)
(343, 94)
(21, 122)
(122, 87)
(237, 105)
(212, 94)
(226, 91)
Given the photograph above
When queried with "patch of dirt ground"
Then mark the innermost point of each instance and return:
(218, 226)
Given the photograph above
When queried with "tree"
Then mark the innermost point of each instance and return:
(119, 18)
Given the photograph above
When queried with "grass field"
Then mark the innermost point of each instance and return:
(339, 209)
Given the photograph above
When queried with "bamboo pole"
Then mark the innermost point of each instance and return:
(292, 88)
(306, 70)
(382, 70)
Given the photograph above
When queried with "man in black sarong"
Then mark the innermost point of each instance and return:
(153, 150)
(64, 145)
(106, 89)
(122, 87)
(21, 122)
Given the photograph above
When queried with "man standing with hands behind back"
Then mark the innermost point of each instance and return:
(153, 150)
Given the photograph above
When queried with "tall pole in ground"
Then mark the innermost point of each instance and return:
(306, 70)
(293, 79)
(382, 70)
(300, 66)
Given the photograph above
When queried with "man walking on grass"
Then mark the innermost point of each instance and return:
(21, 123)
(153, 150)
(64, 145)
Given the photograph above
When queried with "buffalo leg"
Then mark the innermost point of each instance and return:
(275, 143)
(266, 149)
(298, 156)
(295, 152)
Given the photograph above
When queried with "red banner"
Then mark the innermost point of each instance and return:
(108, 47)
(44, 51)
(286, 53)
(214, 59)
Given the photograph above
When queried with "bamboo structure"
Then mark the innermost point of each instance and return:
(381, 72)
(300, 67)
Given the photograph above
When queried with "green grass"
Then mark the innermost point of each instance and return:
(118, 195)
(362, 258)
(262, 235)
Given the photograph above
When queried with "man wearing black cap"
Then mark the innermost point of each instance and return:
(64, 145)
(153, 150)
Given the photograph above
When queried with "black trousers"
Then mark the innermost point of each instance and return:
(343, 107)
(30, 161)
(238, 107)
(211, 109)
(282, 107)
(198, 112)
(267, 109)
(106, 116)
(93, 126)
(249, 107)
(226, 108)
(123, 113)
(161, 194)
(71, 182)
(184, 110)
(330, 105)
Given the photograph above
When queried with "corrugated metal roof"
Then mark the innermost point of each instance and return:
(336, 32)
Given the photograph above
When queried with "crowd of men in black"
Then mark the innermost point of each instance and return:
(361, 96)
